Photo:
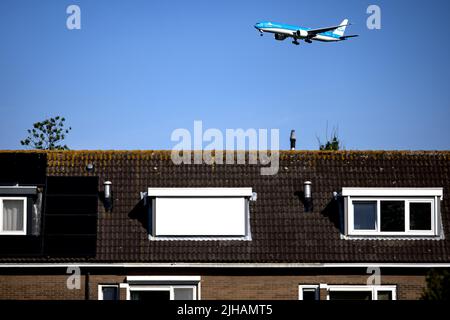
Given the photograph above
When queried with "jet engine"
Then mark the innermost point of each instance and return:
(301, 33)
(280, 37)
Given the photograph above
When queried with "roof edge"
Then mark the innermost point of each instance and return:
(164, 151)
(227, 265)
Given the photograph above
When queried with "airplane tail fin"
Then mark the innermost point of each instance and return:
(340, 31)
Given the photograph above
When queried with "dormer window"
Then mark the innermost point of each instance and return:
(199, 213)
(20, 210)
(13, 218)
(392, 212)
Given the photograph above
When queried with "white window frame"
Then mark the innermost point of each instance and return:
(407, 202)
(100, 290)
(163, 283)
(434, 217)
(408, 195)
(170, 288)
(25, 216)
(308, 286)
(373, 289)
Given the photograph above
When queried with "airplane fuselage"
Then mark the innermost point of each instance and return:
(296, 32)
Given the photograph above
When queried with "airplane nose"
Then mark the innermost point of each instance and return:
(258, 25)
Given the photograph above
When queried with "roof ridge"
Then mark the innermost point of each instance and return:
(246, 151)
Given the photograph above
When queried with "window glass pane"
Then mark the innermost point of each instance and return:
(13, 215)
(110, 293)
(364, 215)
(183, 293)
(384, 295)
(420, 216)
(150, 295)
(309, 294)
(392, 215)
(350, 295)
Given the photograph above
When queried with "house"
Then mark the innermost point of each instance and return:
(133, 225)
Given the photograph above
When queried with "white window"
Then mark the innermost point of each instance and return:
(361, 292)
(392, 211)
(108, 292)
(153, 288)
(163, 292)
(308, 292)
(215, 213)
(13, 216)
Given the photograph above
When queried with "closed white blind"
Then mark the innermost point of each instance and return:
(200, 216)
(13, 215)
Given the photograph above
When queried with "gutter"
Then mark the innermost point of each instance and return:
(226, 265)
(86, 287)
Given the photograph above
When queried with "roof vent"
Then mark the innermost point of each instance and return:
(107, 196)
(90, 167)
(293, 139)
(308, 202)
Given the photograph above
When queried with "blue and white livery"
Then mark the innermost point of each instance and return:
(283, 31)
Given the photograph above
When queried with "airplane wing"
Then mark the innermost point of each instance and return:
(350, 36)
(314, 32)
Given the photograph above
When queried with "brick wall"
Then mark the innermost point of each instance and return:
(213, 286)
(41, 287)
(409, 287)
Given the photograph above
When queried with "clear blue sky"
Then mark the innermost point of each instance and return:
(137, 70)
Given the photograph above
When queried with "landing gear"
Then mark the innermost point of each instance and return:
(308, 40)
(296, 42)
(260, 33)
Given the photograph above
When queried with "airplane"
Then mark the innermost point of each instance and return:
(283, 31)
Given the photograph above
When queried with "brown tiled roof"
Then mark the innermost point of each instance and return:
(281, 230)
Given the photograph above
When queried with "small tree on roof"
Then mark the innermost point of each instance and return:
(333, 142)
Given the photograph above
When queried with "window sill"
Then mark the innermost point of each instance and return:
(392, 237)
(198, 238)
